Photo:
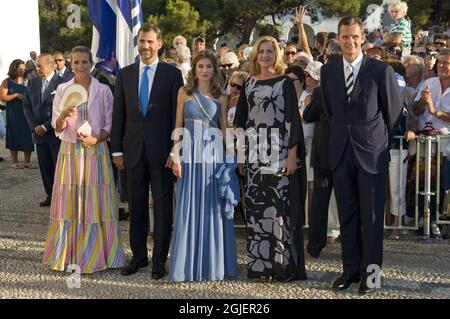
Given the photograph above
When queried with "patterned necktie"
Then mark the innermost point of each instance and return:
(349, 82)
(143, 92)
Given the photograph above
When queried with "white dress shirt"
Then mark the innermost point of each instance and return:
(150, 74)
(356, 65)
(61, 73)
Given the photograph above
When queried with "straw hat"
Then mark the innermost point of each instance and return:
(74, 95)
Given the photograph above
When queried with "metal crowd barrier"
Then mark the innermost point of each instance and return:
(431, 145)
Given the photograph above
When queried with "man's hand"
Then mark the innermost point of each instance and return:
(409, 136)
(427, 99)
(118, 162)
(39, 130)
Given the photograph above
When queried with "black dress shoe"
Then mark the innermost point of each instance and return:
(157, 275)
(364, 289)
(291, 277)
(133, 267)
(343, 283)
(46, 202)
(123, 215)
(313, 253)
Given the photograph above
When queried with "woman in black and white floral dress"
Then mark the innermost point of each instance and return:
(267, 111)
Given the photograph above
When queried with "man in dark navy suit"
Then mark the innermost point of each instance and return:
(38, 107)
(363, 101)
(61, 69)
(145, 101)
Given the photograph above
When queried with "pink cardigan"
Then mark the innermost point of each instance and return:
(100, 108)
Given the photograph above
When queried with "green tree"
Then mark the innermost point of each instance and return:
(54, 32)
(179, 18)
(429, 12)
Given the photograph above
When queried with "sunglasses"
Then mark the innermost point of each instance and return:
(290, 53)
(421, 54)
(236, 86)
(227, 66)
(394, 51)
(59, 60)
(442, 44)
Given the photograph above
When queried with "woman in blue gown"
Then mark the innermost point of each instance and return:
(204, 245)
(18, 132)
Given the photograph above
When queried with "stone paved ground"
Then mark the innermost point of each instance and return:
(413, 269)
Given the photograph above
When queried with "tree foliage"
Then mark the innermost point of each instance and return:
(214, 18)
(180, 18)
(54, 32)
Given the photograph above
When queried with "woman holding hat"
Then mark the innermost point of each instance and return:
(84, 228)
(267, 111)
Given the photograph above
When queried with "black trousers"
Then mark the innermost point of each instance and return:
(360, 199)
(47, 154)
(318, 223)
(161, 183)
(120, 180)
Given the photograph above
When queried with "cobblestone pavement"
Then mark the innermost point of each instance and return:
(412, 269)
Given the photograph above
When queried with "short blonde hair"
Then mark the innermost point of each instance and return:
(278, 65)
(400, 6)
(239, 74)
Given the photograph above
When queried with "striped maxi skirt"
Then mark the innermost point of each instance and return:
(84, 230)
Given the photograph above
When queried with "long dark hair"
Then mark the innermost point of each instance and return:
(216, 80)
(12, 72)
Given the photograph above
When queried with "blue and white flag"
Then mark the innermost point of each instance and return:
(115, 28)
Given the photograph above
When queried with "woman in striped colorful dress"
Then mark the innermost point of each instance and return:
(84, 228)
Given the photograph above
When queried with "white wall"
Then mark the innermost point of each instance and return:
(19, 32)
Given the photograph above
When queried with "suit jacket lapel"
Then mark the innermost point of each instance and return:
(156, 86)
(361, 79)
(50, 88)
(133, 82)
(340, 76)
(39, 90)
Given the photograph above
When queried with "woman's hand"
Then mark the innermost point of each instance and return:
(299, 15)
(241, 169)
(70, 112)
(176, 169)
(290, 167)
(87, 141)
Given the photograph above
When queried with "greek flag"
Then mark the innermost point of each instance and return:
(115, 27)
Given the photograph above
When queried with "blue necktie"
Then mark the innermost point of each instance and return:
(143, 92)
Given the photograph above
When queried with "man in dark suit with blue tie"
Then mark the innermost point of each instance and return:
(38, 106)
(363, 101)
(145, 101)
